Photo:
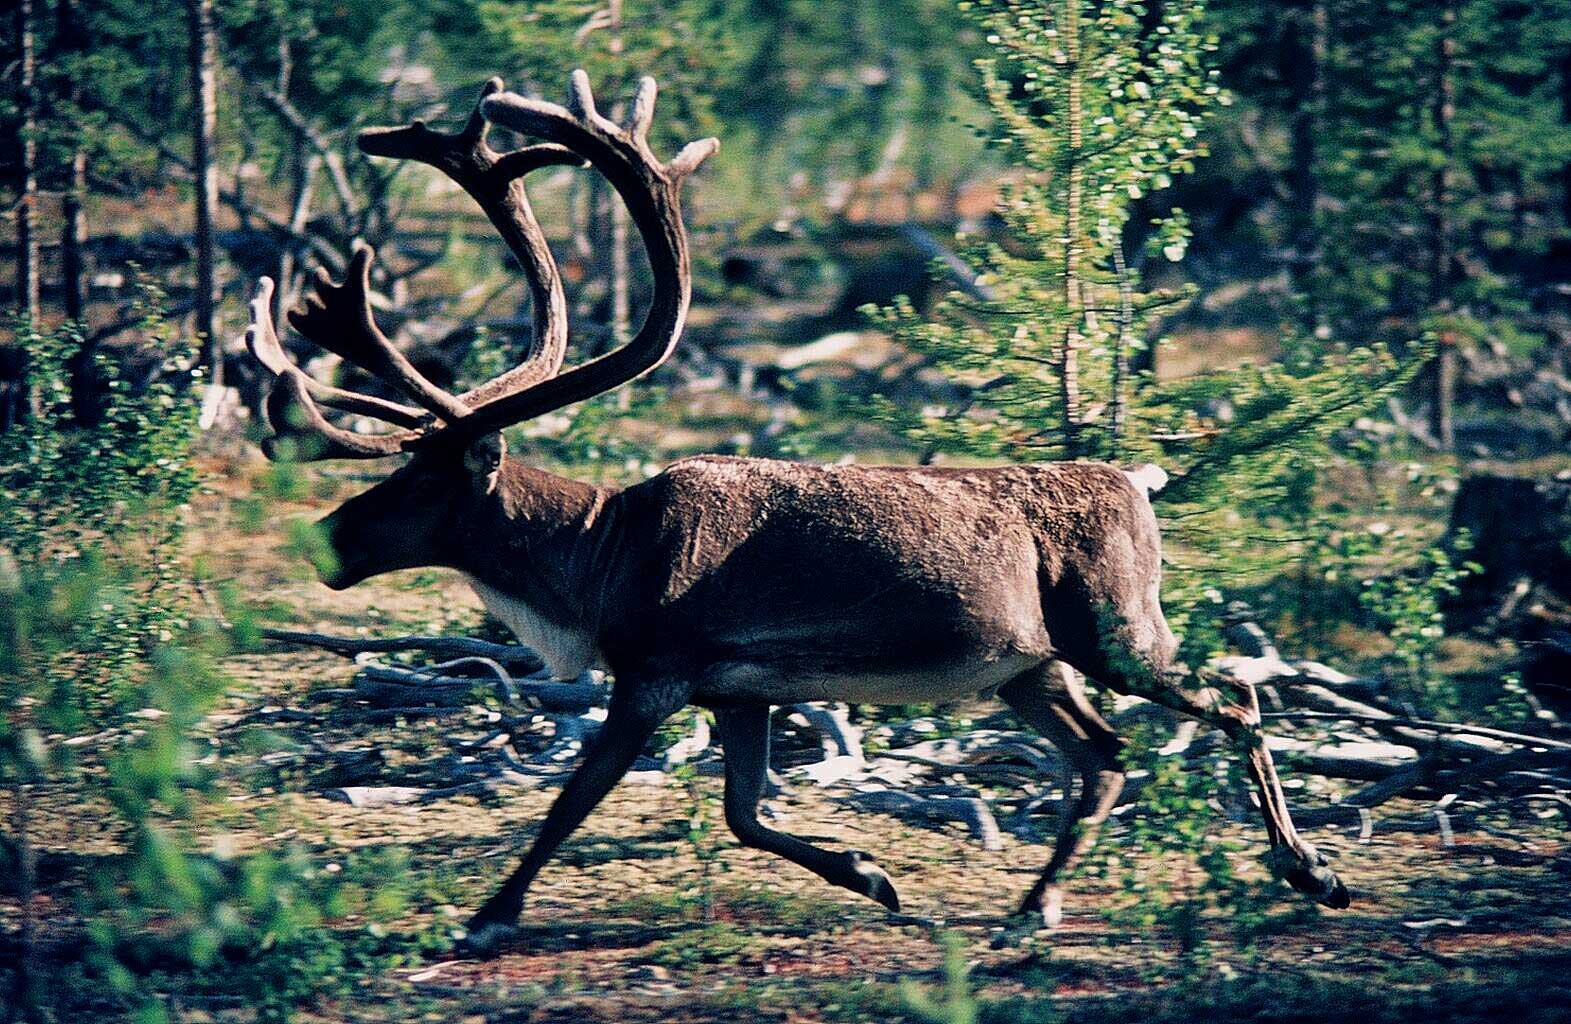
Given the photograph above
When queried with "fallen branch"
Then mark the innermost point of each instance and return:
(1385, 722)
(442, 646)
(972, 812)
(990, 745)
(832, 722)
(375, 680)
(1355, 808)
(317, 141)
(385, 684)
(1333, 764)
(394, 796)
(1495, 768)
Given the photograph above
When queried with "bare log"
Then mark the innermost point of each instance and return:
(1367, 687)
(1363, 762)
(393, 796)
(1355, 808)
(442, 646)
(1384, 722)
(1501, 765)
(981, 745)
(972, 812)
(385, 685)
(833, 723)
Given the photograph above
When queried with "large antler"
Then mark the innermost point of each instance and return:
(339, 318)
(652, 192)
(496, 181)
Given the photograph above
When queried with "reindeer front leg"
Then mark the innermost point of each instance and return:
(636, 710)
(744, 735)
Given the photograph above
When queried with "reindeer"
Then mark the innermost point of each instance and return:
(735, 584)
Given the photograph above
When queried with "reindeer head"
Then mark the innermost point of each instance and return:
(414, 516)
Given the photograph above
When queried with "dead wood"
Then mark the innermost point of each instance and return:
(442, 646)
(383, 685)
(972, 812)
(833, 724)
(1395, 756)
(1414, 728)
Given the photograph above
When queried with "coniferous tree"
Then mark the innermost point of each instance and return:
(1440, 147)
(1097, 106)
(1095, 109)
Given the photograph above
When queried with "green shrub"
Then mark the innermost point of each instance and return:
(109, 662)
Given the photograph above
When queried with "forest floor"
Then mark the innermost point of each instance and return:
(644, 916)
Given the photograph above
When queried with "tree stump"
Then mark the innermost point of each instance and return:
(1521, 532)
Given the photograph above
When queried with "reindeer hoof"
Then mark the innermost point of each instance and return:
(484, 939)
(1041, 909)
(1038, 912)
(487, 932)
(1016, 931)
(1321, 883)
(1337, 898)
(872, 881)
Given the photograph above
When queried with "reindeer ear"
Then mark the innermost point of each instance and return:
(483, 458)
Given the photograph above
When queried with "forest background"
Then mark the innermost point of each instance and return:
(1317, 266)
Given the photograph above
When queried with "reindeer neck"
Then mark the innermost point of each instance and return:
(541, 539)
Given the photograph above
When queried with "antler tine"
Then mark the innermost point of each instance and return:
(581, 102)
(494, 181)
(293, 412)
(692, 155)
(643, 110)
(338, 318)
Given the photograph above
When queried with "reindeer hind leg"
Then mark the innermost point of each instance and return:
(1238, 716)
(1134, 655)
(1051, 698)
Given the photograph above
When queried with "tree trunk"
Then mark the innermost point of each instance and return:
(86, 388)
(1308, 76)
(1443, 271)
(73, 232)
(620, 329)
(1565, 119)
(1118, 401)
(27, 167)
(300, 189)
(1069, 355)
(73, 238)
(204, 103)
(620, 272)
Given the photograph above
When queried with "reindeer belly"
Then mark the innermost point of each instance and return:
(565, 651)
(788, 682)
